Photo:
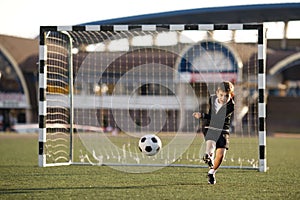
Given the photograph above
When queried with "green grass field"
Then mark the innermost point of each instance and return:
(21, 178)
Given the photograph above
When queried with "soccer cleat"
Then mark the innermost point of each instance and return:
(211, 179)
(208, 161)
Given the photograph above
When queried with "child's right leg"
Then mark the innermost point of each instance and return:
(209, 153)
(220, 154)
(210, 147)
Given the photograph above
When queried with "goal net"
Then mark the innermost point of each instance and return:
(104, 87)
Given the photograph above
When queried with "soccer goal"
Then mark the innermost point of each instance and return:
(102, 87)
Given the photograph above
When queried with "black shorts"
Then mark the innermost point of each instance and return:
(223, 141)
(221, 138)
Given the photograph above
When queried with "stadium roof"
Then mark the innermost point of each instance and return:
(19, 48)
(232, 14)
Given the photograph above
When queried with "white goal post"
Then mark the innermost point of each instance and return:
(101, 87)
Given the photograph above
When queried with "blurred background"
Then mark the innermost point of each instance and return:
(19, 53)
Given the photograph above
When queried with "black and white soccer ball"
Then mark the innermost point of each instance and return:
(150, 144)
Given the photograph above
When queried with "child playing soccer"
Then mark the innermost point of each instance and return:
(216, 129)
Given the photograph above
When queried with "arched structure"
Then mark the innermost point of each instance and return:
(14, 92)
(288, 62)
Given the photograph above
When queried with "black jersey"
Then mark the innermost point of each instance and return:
(221, 119)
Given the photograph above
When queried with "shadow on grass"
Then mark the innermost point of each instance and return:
(31, 190)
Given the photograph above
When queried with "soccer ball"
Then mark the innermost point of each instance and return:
(150, 144)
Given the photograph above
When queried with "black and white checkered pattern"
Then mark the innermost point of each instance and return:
(42, 99)
(171, 27)
(261, 99)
